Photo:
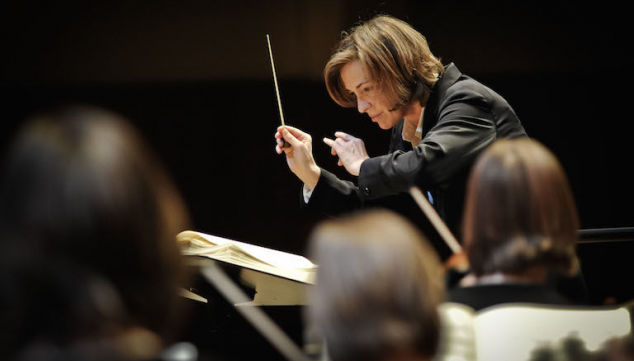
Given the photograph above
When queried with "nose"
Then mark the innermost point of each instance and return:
(362, 105)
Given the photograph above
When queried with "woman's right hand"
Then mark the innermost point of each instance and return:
(299, 154)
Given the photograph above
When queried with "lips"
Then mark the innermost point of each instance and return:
(373, 117)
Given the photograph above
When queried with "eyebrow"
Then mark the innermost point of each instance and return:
(359, 85)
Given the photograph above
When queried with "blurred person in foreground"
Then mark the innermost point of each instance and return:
(379, 283)
(520, 229)
(90, 267)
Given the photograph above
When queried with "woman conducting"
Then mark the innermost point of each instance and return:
(440, 121)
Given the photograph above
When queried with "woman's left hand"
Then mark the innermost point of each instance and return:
(351, 151)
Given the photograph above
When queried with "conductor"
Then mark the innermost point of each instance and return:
(440, 121)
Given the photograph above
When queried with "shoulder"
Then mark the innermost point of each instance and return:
(469, 89)
(453, 84)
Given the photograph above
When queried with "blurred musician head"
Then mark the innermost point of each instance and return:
(520, 213)
(88, 222)
(378, 285)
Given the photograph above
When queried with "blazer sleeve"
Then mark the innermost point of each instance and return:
(333, 195)
(466, 125)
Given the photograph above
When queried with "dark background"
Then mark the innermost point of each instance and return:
(194, 76)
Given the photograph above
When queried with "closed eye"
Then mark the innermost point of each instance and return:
(368, 89)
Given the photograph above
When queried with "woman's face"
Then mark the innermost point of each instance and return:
(370, 99)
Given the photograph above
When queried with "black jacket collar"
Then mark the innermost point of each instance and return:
(447, 79)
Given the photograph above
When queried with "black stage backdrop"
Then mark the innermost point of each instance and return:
(194, 77)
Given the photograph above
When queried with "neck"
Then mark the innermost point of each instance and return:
(412, 113)
(411, 116)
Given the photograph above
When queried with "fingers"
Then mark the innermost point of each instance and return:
(279, 141)
(282, 148)
(331, 144)
(344, 136)
(297, 133)
(290, 129)
(289, 137)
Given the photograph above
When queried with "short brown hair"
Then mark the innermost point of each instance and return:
(379, 283)
(393, 53)
(520, 211)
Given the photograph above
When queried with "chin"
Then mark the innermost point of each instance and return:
(387, 125)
